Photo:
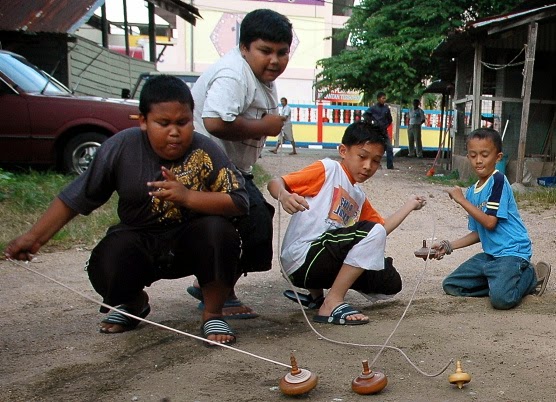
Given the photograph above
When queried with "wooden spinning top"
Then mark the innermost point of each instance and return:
(298, 381)
(459, 377)
(424, 252)
(369, 382)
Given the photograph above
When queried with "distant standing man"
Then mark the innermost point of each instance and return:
(287, 129)
(416, 119)
(380, 113)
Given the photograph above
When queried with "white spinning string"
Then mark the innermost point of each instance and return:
(143, 319)
(385, 344)
(17, 263)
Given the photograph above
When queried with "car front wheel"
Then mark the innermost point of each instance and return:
(80, 151)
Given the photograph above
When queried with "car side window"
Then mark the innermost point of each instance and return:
(5, 89)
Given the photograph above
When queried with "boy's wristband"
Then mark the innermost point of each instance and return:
(447, 246)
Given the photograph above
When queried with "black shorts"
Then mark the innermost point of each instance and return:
(125, 261)
(325, 259)
(255, 231)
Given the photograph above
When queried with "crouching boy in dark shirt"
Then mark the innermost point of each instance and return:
(177, 193)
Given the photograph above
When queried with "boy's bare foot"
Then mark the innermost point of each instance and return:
(116, 322)
(241, 311)
(273, 151)
(233, 307)
(293, 153)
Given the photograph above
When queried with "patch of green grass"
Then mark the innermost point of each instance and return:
(25, 196)
(262, 177)
(537, 198)
(29, 191)
(452, 179)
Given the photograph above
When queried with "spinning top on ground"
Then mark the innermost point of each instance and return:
(297, 381)
(369, 382)
(424, 252)
(459, 377)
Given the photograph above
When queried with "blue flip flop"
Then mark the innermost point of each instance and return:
(195, 292)
(338, 316)
(128, 323)
(198, 294)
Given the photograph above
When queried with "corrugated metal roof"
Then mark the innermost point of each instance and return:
(66, 16)
(462, 38)
(178, 7)
(54, 16)
(506, 17)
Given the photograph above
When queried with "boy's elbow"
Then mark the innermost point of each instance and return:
(491, 223)
(275, 186)
(243, 208)
(490, 226)
(240, 204)
(215, 126)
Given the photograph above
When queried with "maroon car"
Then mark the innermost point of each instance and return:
(43, 123)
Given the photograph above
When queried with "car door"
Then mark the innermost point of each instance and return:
(15, 126)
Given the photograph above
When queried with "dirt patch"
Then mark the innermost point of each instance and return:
(50, 348)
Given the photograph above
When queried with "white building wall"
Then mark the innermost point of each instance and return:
(196, 47)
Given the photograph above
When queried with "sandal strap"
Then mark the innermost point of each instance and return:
(117, 318)
(216, 326)
(344, 310)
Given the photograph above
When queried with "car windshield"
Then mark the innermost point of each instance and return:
(29, 78)
(189, 79)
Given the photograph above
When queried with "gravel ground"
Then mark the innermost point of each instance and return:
(51, 350)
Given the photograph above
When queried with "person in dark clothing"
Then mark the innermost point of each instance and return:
(416, 119)
(380, 113)
(178, 196)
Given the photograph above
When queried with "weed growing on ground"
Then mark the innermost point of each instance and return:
(262, 177)
(451, 179)
(25, 196)
(535, 198)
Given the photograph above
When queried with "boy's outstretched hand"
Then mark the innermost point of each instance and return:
(292, 203)
(417, 201)
(437, 251)
(170, 189)
(22, 248)
(456, 194)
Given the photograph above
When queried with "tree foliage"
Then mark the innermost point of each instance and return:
(391, 41)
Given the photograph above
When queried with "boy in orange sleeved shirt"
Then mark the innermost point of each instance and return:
(335, 239)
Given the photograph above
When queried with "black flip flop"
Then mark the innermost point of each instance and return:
(217, 326)
(306, 300)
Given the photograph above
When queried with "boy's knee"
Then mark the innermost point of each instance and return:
(214, 228)
(447, 288)
(501, 303)
(452, 288)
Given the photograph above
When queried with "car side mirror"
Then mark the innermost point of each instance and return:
(126, 93)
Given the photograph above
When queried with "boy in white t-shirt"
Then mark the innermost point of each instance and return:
(236, 104)
(335, 239)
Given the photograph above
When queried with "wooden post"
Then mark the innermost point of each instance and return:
(126, 28)
(477, 86)
(320, 109)
(152, 33)
(104, 26)
(526, 95)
